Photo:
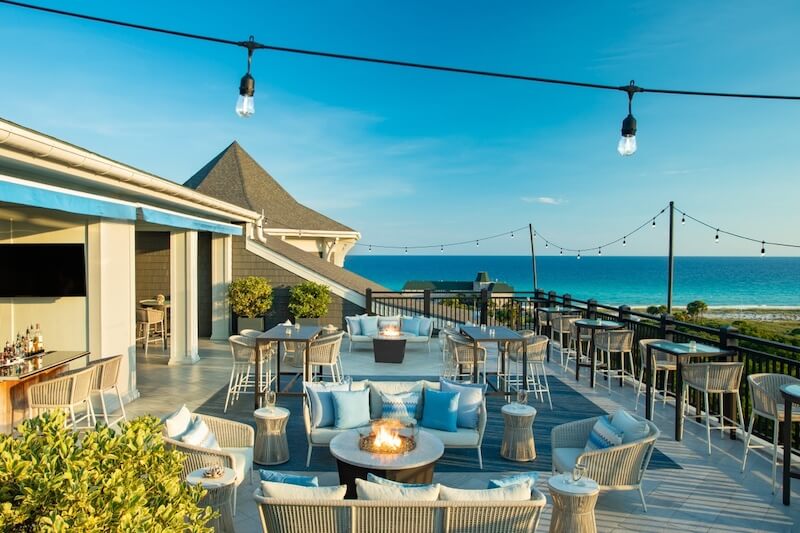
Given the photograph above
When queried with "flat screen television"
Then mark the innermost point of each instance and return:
(42, 270)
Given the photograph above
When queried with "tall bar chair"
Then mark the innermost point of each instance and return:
(106, 376)
(607, 343)
(714, 378)
(69, 391)
(766, 402)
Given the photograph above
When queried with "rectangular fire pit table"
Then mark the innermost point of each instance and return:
(389, 348)
(354, 463)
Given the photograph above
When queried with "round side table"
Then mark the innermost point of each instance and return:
(219, 496)
(518, 443)
(271, 446)
(573, 504)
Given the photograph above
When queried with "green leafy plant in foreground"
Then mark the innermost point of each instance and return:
(54, 479)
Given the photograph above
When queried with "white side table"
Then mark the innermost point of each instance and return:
(518, 443)
(271, 446)
(219, 496)
(573, 504)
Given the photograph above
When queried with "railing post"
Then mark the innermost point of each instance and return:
(567, 299)
(426, 304)
(484, 307)
(727, 341)
(368, 303)
(591, 308)
(551, 298)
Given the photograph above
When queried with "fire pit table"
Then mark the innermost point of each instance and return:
(389, 347)
(415, 466)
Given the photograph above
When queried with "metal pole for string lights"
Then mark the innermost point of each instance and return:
(533, 258)
(671, 267)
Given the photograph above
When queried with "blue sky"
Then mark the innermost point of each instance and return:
(410, 157)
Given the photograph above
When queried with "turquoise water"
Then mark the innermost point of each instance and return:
(719, 281)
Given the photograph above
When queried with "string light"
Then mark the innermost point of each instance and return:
(763, 250)
(716, 237)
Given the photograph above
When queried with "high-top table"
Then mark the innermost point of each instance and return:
(280, 334)
(592, 324)
(680, 351)
(479, 335)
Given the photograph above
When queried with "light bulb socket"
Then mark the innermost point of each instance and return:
(247, 87)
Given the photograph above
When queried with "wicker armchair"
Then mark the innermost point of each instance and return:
(766, 401)
(326, 351)
(236, 441)
(617, 468)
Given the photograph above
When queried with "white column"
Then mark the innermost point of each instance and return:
(111, 297)
(221, 277)
(183, 297)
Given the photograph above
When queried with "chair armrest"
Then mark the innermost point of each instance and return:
(230, 434)
(572, 434)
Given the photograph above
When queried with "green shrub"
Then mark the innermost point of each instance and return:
(53, 479)
(250, 297)
(309, 300)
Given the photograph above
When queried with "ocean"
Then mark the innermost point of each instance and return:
(635, 281)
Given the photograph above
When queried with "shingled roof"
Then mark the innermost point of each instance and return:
(235, 177)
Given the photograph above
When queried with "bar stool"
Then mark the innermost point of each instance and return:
(714, 378)
(661, 362)
(106, 374)
(610, 342)
(69, 391)
(766, 402)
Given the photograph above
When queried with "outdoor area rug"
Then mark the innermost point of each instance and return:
(568, 405)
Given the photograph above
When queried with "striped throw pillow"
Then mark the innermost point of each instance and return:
(603, 435)
(403, 405)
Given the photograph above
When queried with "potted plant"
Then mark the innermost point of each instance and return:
(308, 302)
(251, 298)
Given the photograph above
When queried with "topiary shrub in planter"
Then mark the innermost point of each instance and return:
(309, 301)
(54, 479)
(251, 298)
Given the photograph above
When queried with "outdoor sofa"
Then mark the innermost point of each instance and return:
(462, 438)
(356, 334)
(364, 516)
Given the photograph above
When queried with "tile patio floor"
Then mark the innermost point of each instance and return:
(708, 494)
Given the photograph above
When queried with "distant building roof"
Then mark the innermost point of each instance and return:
(235, 177)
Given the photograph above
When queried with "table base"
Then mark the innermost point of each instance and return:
(349, 473)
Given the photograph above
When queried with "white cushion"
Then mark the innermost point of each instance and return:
(367, 490)
(242, 461)
(461, 437)
(516, 492)
(178, 422)
(197, 433)
(631, 428)
(564, 459)
(270, 489)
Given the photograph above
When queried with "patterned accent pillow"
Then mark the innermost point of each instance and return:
(604, 435)
(403, 405)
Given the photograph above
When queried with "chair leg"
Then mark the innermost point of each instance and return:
(747, 438)
(708, 421)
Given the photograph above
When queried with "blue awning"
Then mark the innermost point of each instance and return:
(178, 220)
(22, 192)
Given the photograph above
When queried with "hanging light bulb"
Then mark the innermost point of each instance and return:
(627, 143)
(245, 104)
(579, 254)
(683, 219)
(763, 250)
(624, 241)
(716, 237)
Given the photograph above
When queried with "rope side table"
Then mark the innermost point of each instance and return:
(518, 443)
(573, 504)
(271, 446)
(219, 496)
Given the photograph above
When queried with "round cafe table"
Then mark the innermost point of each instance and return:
(573, 504)
(518, 443)
(219, 496)
(593, 325)
(271, 446)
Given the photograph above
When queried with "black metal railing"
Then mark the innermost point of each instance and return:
(518, 311)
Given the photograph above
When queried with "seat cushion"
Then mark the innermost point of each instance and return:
(564, 458)
(242, 461)
(461, 437)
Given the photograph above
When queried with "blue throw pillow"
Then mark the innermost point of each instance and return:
(353, 324)
(389, 483)
(424, 327)
(410, 326)
(440, 410)
(351, 408)
(513, 479)
(369, 325)
(403, 405)
(319, 395)
(469, 403)
(291, 479)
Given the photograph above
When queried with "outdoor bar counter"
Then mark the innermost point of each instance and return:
(15, 380)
